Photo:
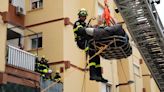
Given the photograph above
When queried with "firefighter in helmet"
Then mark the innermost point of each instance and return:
(57, 77)
(82, 37)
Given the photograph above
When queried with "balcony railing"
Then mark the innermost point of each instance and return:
(51, 86)
(20, 58)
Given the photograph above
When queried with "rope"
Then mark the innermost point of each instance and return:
(97, 53)
(124, 48)
(86, 59)
(49, 86)
(83, 85)
(86, 56)
(101, 49)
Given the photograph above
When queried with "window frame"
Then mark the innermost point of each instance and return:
(137, 70)
(39, 4)
(30, 45)
(37, 44)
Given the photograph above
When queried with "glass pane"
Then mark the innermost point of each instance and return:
(39, 42)
(34, 44)
(34, 5)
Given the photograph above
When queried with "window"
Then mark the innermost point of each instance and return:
(108, 88)
(105, 88)
(10, 1)
(137, 78)
(34, 43)
(36, 4)
(136, 70)
(100, 10)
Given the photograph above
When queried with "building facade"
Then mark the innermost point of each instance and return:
(44, 28)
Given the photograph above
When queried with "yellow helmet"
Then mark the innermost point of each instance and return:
(83, 12)
(57, 71)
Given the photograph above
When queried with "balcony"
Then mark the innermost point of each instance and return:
(20, 58)
(14, 16)
(19, 75)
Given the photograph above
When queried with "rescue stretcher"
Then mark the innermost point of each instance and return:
(111, 42)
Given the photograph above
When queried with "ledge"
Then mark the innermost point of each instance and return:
(67, 65)
(4, 16)
(20, 76)
(45, 22)
(37, 9)
(34, 49)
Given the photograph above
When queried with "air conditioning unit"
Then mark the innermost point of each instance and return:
(19, 10)
(157, 1)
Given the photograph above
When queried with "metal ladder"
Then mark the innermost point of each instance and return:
(146, 29)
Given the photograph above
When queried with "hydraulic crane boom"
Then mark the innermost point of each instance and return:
(146, 29)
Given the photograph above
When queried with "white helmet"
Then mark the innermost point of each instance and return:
(49, 71)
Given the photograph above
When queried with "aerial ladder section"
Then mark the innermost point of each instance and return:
(146, 29)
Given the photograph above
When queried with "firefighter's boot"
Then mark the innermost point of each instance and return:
(99, 74)
(93, 73)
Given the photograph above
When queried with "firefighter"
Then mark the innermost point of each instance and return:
(37, 63)
(44, 61)
(42, 67)
(57, 77)
(47, 75)
(79, 29)
(82, 37)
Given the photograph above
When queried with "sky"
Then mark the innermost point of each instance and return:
(160, 10)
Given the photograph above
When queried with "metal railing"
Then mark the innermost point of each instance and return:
(51, 86)
(20, 58)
